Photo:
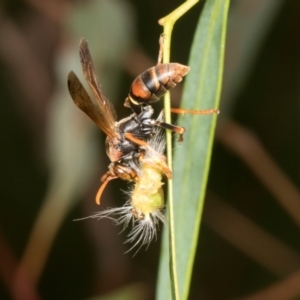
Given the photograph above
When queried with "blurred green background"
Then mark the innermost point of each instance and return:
(52, 156)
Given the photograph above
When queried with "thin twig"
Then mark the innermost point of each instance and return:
(168, 22)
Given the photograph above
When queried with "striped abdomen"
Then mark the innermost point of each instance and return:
(149, 86)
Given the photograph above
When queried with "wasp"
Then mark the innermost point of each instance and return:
(135, 145)
(124, 141)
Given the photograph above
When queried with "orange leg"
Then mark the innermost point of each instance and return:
(132, 138)
(137, 141)
(167, 171)
(183, 111)
(164, 167)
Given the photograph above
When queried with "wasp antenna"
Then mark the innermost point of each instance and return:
(102, 187)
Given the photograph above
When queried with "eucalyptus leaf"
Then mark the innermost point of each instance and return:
(192, 158)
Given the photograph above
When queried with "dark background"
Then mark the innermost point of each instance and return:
(87, 258)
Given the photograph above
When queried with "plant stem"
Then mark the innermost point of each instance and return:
(168, 23)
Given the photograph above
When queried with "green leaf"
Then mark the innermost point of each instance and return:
(192, 158)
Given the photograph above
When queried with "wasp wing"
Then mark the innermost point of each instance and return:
(92, 79)
(98, 111)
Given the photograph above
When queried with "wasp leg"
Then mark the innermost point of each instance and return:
(165, 169)
(168, 172)
(174, 128)
(105, 179)
(132, 138)
(161, 48)
(161, 165)
(183, 111)
(139, 142)
(162, 162)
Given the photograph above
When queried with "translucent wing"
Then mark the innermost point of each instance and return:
(92, 79)
(101, 112)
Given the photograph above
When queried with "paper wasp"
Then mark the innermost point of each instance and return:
(125, 138)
